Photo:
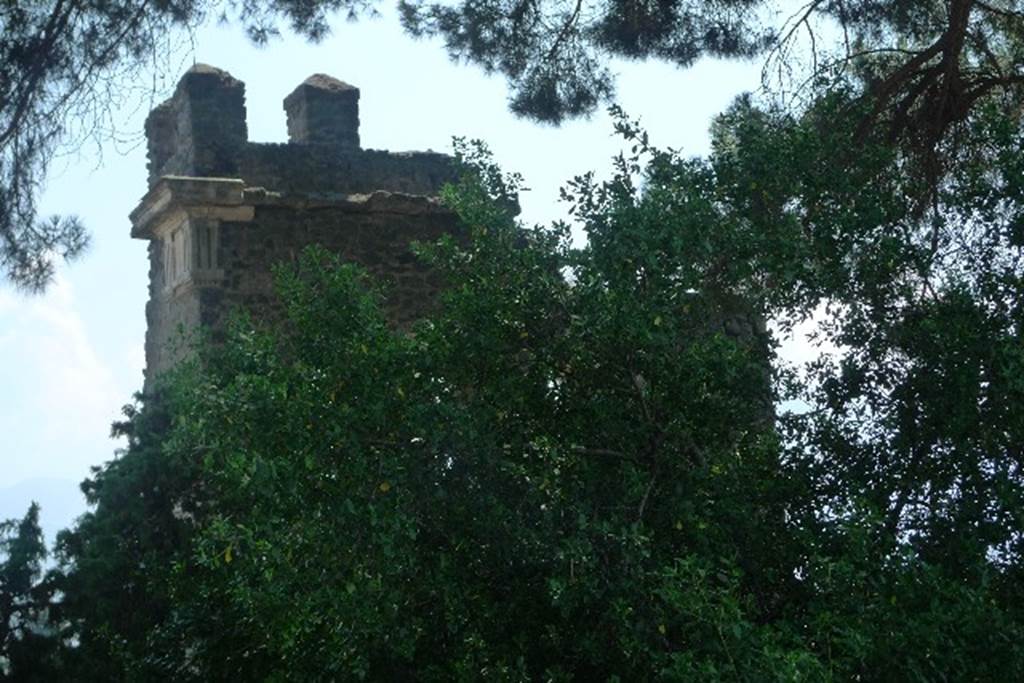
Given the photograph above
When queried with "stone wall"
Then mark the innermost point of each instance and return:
(332, 170)
(374, 231)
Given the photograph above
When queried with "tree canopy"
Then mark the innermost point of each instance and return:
(574, 469)
(29, 648)
(923, 67)
(590, 462)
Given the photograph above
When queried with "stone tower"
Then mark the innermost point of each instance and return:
(222, 211)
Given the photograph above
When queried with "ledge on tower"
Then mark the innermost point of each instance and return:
(323, 110)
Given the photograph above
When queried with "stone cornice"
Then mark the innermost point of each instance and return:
(221, 198)
(380, 201)
(228, 199)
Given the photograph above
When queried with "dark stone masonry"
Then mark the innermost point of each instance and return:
(222, 211)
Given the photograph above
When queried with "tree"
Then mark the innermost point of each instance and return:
(66, 66)
(575, 469)
(29, 642)
(555, 54)
(572, 471)
(926, 64)
(110, 565)
(421, 504)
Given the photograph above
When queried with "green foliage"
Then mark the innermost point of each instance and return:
(577, 468)
(114, 565)
(29, 642)
(554, 54)
(573, 470)
(924, 65)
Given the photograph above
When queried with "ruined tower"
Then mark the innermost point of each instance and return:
(222, 211)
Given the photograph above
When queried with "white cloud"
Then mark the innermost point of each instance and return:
(75, 380)
(60, 394)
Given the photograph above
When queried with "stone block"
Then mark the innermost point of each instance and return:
(325, 111)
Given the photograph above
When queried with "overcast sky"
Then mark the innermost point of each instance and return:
(70, 358)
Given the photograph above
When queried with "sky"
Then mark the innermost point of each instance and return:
(69, 359)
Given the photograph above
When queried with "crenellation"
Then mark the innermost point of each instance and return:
(323, 110)
(199, 131)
